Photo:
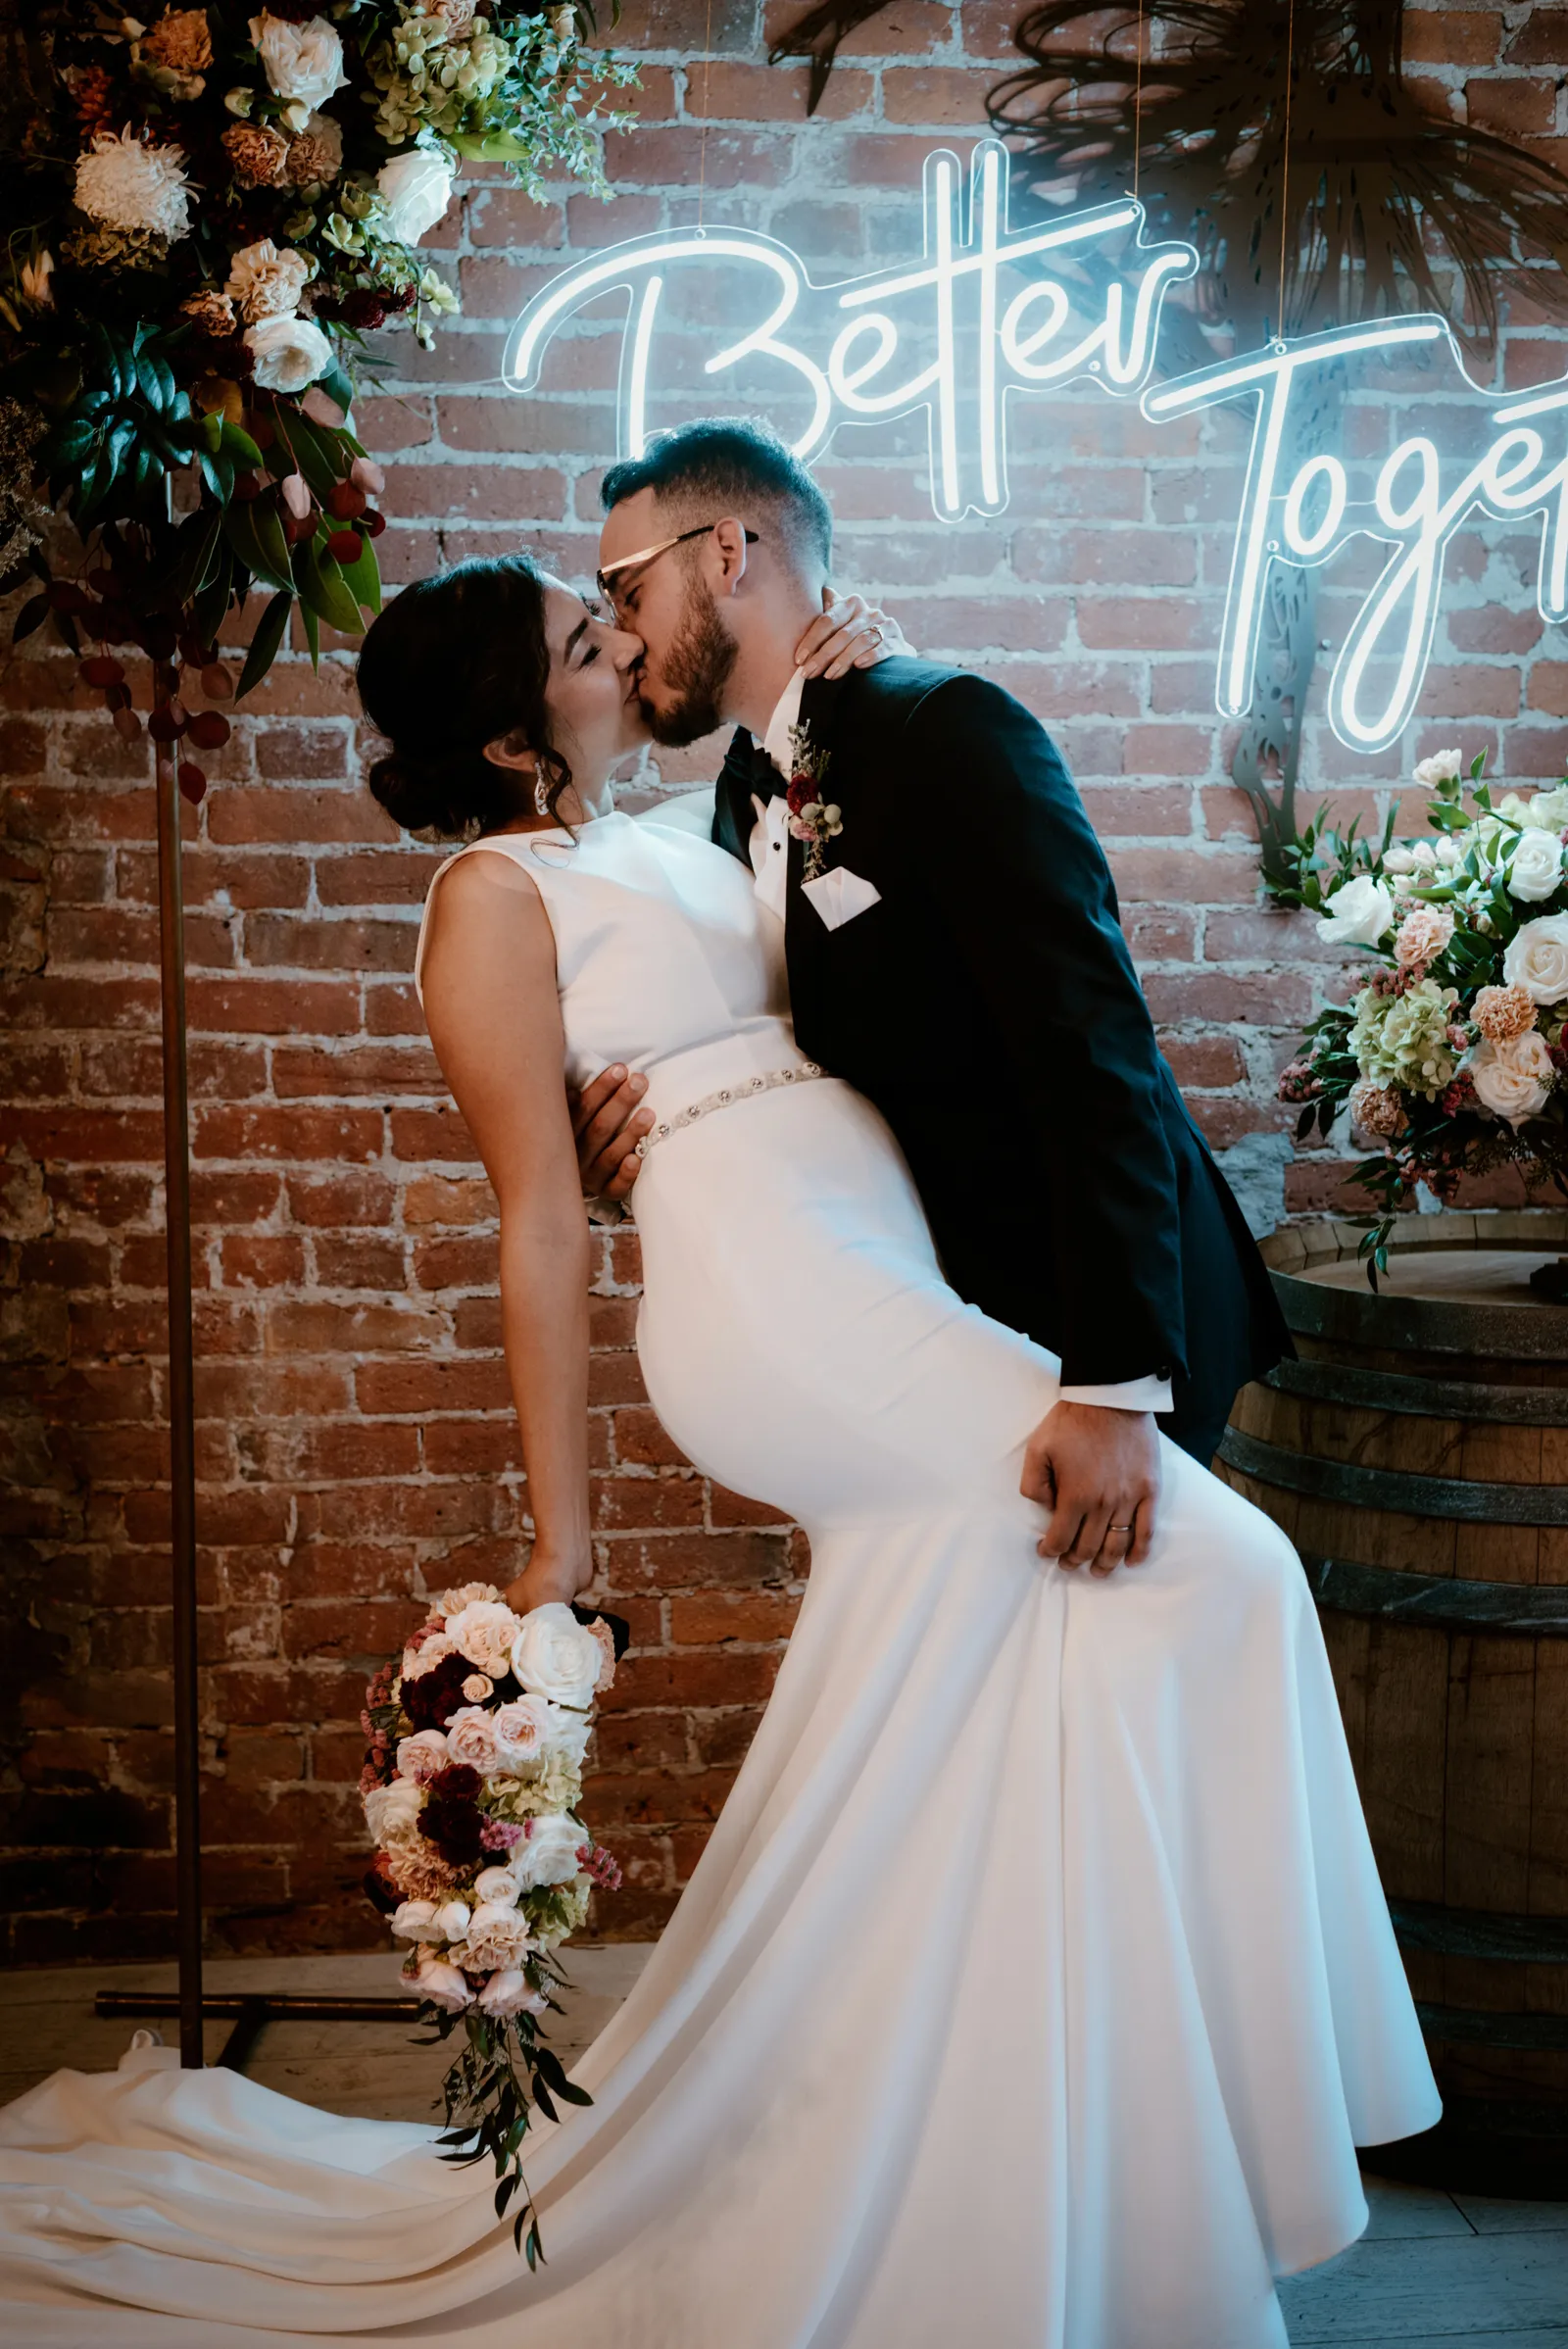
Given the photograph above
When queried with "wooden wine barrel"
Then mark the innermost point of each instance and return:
(1417, 1455)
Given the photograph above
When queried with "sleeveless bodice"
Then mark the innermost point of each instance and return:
(663, 958)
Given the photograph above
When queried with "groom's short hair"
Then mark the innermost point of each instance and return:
(727, 464)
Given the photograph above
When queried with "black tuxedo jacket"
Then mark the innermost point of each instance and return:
(988, 1006)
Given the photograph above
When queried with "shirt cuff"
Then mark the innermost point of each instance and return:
(1132, 1395)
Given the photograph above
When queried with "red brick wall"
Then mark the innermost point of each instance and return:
(356, 1444)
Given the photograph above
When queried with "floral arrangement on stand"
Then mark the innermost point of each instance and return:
(471, 1784)
(1453, 1057)
(207, 216)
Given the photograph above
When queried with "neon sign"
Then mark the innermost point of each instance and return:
(953, 334)
(992, 312)
(1307, 517)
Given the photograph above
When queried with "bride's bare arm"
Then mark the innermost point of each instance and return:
(494, 1017)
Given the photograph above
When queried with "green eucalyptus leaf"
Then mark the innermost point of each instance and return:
(256, 535)
(324, 589)
(262, 652)
(363, 577)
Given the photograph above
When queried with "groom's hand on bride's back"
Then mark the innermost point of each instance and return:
(1097, 1470)
(608, 1120)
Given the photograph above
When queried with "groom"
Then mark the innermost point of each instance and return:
(955, 953)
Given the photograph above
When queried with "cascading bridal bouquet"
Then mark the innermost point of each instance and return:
(472, 1784)
(1453, 1057)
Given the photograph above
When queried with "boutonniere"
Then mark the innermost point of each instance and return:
(813, 816)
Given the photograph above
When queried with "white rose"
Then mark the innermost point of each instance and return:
(549, 1854)
(477, 1687)
(1359, 914)
(1536, 868)
(450, 1921)
(498, 1936)
(522, 1730)
(415, 189)
(484, 1630)
(391, 1813)
(301, 61)
(430, 1977)
(1512, 1080)
(471, 1741)
(414, 1921)
(421, 1756)
(1446, 852)
(553, 1656)
(1399, 861)
(507, 1992)
(497, 1885)
(1444, 766)
(1549, 809)
(453, 1602)
(287, 353)
(1536, 959)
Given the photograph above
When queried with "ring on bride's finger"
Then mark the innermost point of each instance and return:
(1119, 1529)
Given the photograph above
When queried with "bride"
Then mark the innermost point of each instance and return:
(1036, 1985)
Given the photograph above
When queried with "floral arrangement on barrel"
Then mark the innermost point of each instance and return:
(1453, 1057)
(208, 214)
(471, 1784)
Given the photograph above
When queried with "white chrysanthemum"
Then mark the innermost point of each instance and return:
(126, 183)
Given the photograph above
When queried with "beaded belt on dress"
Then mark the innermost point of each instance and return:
(722, 1100)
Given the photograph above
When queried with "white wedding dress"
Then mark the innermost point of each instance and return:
(1036, 1984)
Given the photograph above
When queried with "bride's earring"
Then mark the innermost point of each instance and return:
(541, 794)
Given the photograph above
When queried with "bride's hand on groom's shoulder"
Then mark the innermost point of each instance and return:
(1097, 1470)
(851, 633)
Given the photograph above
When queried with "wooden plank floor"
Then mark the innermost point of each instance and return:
(1433, 2271)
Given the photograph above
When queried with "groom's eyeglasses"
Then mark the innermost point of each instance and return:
(605, 580)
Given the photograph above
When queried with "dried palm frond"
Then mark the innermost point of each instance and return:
(1377, 205)
(818, 36)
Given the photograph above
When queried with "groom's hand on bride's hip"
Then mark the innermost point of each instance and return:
(608, 1120)
(1097, 1472)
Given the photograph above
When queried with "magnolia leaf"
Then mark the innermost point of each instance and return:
(240, 445)
(34, 611)
(157, 379)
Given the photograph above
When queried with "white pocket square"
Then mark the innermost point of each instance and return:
(839, 895)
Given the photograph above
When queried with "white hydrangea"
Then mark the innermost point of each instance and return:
(126, 183)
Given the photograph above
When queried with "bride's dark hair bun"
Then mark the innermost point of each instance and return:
(453, 663)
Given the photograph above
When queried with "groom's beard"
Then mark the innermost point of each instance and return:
(695, 670)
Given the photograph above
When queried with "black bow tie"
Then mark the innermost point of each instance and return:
(766, 781)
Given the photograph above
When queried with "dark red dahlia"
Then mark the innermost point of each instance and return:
(432, 1697)
(451, 1819)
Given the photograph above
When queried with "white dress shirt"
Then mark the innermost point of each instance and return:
(769, 849)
